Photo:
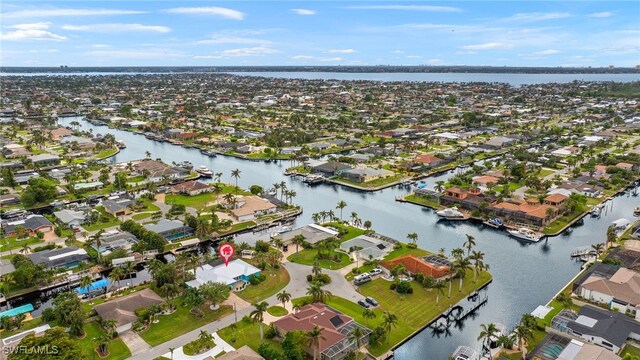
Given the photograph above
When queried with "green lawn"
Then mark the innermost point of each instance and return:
(246, 333)
(308, 257)
(631, 350)
(421, 200)
(14, 243)
(141, 216)
(112, 221)
(405, 250)
(276, 281)
(561, 222)
(117, 348)
(373, 183)
(413, 310)
(106, 153)
(277, 311)
(180, 322)
(545, 172)
(199, 202)
(352, 232)
(237, 227)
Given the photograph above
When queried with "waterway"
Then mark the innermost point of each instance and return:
(525, 274)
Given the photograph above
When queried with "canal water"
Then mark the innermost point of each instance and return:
(525, 274)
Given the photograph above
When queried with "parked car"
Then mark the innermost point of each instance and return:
(363, 303)
(371, 301)
(362, 278)
(376, 271)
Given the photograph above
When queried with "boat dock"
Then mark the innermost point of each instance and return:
(579, 252)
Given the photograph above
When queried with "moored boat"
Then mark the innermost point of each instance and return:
(465, 353)
(313, 179)
(204, 171)
(494, 223)
(525, 234)
(451, 214)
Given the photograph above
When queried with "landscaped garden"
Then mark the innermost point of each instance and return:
(246, 332)
(276, 280)
(116, 347)
(277, 311)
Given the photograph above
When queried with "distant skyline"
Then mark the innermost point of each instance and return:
(208, 33)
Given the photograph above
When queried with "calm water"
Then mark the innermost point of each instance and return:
(512, 79)
(525, 274)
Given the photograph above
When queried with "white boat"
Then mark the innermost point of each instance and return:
(285, 229)
(451, 214)
(636, 211)
(204, 171)
(120, 144)
(525, 234)
(465, 353)
(313, 179)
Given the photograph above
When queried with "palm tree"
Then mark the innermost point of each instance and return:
(298, 240)
(486, 332)
(439, 286)
(25, 249)
(523, 332)
(341, 205)
(317, 293)
(461, 265)
(236, 174)
(413, 237)
(102, 342)
(96, 239)
(85, 282)
(171, 350)
(368, 314)
(599, 248)
(283, 297)
(217, 189)
(218, 176)
(313, 340)
(478, 263)
(129, 268)
(611, 236)
(439, 185)
(356, 335)
(258, 314)
(389, 321)
(316, 269)
(470, 243)
(116, 275)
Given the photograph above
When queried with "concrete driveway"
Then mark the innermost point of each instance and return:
(134, 342)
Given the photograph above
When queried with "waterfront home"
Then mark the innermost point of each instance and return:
(335, 342)
(528, 211)
(498, 142)
(367, 247)
(605, 328)
(620, 291)
(191, 188)
(426, 161)
(431, 265)
(70, 217)
(156, 171)
(94, 185)
(363, 175)
(312, 233)
(122, 310)
(78, 142)
(560, 347)
(331, 168)
(43, 160)
(467, 199)
(242, 353)
(485, 182)
(236, 275)
(66, 257)
(114, 240)
(170, 229)
(557, 200)
(118, 207)
(249, 207)
(31, 225)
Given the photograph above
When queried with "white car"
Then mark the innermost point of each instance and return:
(376, 271)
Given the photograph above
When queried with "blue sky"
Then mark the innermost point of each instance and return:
(208, 33)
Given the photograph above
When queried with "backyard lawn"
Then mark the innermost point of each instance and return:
(141, 216)
(246, 333)
(421, 200)
(276, 281)
(199, 202)
(352, 232)
(13, 242)
(308, 257)
(180, 322)
(277, 311)
(117, 348)
(372, 183)
(237, 227)
(112, 221)
(631, 350)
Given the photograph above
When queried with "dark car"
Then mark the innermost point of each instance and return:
(371, 301)
(363, 303)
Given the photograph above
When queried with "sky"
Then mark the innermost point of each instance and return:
(217, 33)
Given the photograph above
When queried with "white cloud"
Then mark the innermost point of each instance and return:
(407, 8)
(332, 59)
(303, 57)
(241, 52)
(342, 51)
(413, 56)
(117, 28)
(133, 54)
(51, 12)
(31, 31)
(538, 16)
(304, 11)
(547, 52)
(603, 14)
(209, 10)
(488, 46)
(317, 59)
(100, 46)
(233, 40)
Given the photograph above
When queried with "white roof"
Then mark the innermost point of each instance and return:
(541, 311)
(221, 273)
(322, 228)
(586, 321)
(571, 351)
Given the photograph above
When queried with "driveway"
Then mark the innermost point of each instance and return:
(134, 342)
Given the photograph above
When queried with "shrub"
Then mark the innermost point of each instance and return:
(309, 278)
(404, 287)
(397, 246)
(262, 246)
(57, 231)
(393, 286)
(324, 279)
(267, 351)
(412, 246)
(246, 319)
(270, 332)
(48, 314)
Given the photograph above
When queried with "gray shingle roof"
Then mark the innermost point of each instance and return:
(612, 326)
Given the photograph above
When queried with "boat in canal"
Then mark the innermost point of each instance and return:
(636, 211)
(525, 234)
(465, 353)
(313, 179)
(208, 152)
(120, 144)
(495, 223)
(204, 171)
(451, 214)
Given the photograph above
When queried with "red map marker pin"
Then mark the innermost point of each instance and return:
(226, 252)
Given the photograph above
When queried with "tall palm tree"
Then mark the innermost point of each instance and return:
(96, 239)
(25, 249)
(129, 268)
(413, 237)
(258, 315)
(599, 248)
(356, 335)
(236, 174)
(389, 322)
(478, 263)
(283, 297)
(461, 265)
(523, 332)
(368, 314)
(469, 244)
(116, 275)
(341, 205)
(217, 190)
(298, 240)
(439, 286)
(218, 176)
(486, 332)
(85, 282)
(317, 293)
(314, 338)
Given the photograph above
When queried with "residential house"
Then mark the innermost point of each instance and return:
(12, 151)
(94, 185)
(43, 160)
(80, 142)
(236, 275)
(67, 257)
(331, 168)
(432, 265)
(367, 247)
(363, 175)
(249, 207)
(156, 171)
(191, 188)
(467, 199)
(118, 207)
(485, 182)
(335, 343)
(312, 234)
(528, 211)
(242, 353)
(9, 200)
(70, 217)
(620, 292)
(114, 240)
(170, 229)
(31, 225)
(498, 142)
(426, 161)
(58, 133)
(122, 310)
